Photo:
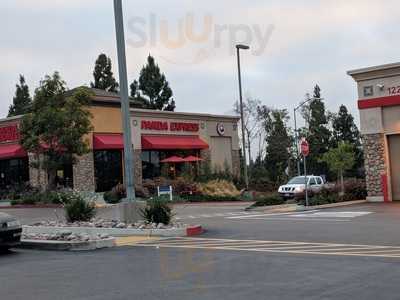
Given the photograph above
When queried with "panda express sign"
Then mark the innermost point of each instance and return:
(9, 133)
(169, 126)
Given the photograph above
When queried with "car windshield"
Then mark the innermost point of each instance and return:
(297, 180)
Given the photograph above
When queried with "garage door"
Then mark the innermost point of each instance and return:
(394, 152)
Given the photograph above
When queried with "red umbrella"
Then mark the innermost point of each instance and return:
(173, 159)
(192, 158)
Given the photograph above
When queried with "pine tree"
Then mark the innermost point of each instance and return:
(152, 89)
(22, 101)
(278, 143)
(318, 135)
(103, 75)
(345, 130)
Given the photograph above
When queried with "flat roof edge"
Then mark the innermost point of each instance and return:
(373, 68)
(172, 113)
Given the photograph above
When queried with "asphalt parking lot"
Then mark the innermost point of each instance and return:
(242, 255)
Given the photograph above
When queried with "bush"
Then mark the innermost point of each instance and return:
(355, 189)
(268, 201)
(119, 192)
(217, 188)
(111, 197)
(77, 209)
(157, 211)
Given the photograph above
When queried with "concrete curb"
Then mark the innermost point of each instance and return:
(67, 245)
(22, 206)
(296, 207)
(117, 232)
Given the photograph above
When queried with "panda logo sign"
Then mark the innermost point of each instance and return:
(221, 129)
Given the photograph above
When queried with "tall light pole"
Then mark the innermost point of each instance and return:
(238, 48)
(296, 134)
(126, 118)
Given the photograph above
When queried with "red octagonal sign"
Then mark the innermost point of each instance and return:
(305, 148)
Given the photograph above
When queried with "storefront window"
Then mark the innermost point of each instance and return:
(108, 169)
(151, 165)
(13, 171)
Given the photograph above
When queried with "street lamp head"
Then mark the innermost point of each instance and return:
(242, 47)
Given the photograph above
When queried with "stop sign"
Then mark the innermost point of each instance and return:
(305, 148)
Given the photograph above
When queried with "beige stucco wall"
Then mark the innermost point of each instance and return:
(378, 91)
(391, 119)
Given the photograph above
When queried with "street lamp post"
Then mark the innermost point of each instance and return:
(126, 120)
(296, 134)
(238, 48)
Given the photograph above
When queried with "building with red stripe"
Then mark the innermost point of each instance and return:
(156, 135)
(379, 105)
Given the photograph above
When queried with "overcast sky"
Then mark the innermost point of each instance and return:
(294, 45)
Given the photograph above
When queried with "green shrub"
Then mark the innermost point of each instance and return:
(269, 200)
(111, 197)
(157, 211)
(355, 189)
(77, 209)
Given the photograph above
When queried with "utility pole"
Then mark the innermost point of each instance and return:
(243, 47)
(125, 108)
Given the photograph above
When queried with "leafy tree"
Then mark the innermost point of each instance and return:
(152, 89)
(318, 134)
(278, 142)
(22, 100)
(339, 160)
(54, 130)
(103, 75)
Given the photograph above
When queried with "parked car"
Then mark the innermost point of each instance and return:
(10, 231)
(295, 188)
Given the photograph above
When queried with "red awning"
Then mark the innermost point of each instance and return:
(108, 141)
(166, 142)
(192, 158)
(12, 151)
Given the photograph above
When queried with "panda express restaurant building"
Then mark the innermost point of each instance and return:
(379, 105)
(156, 135)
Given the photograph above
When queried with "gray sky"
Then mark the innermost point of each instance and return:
(307, 42)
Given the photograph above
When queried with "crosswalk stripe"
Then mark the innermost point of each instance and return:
(290, 247)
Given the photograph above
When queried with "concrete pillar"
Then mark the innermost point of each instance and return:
(137, 168)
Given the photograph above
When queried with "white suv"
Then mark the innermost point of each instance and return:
(296, 186)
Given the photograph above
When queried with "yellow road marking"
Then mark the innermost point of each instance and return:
(132, 240)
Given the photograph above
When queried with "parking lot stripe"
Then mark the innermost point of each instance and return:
(290, 247)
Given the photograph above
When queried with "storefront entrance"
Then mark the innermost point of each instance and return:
(108, 169)
(394, 151)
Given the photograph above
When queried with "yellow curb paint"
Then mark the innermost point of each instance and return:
(132, 240)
